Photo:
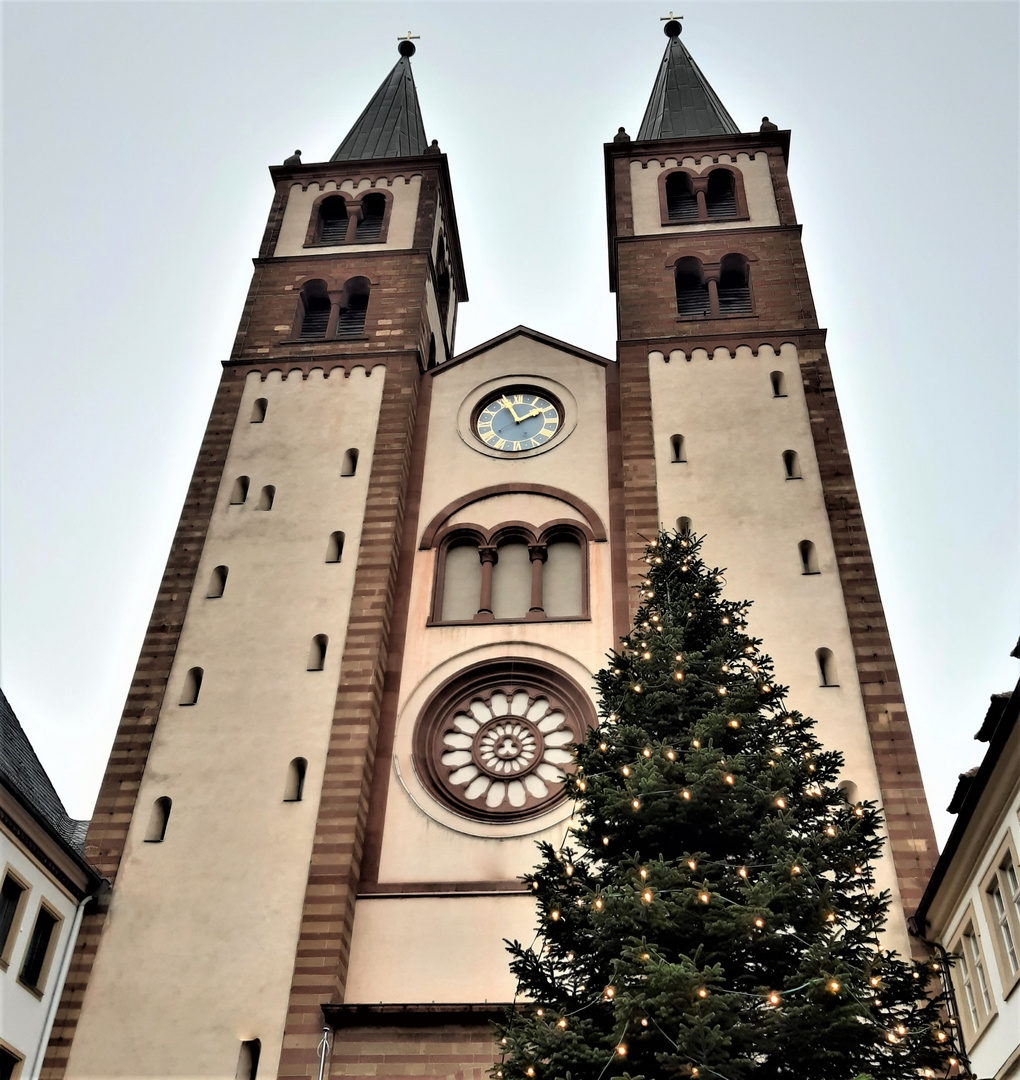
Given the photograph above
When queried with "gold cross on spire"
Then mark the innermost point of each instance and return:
(409, 37)
(669, 17)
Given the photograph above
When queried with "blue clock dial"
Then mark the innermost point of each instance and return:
(517, 420)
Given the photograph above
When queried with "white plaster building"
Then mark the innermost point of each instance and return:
(44, 885)
(971, 907)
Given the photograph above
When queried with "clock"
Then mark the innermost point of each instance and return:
(515, 420)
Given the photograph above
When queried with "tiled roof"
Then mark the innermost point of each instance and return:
(22, 772)
(391, 124)
(682, 102)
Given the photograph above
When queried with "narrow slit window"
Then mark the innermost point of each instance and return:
(778, 384)
(37, 953)
(808, 557)
(373, 210)
(721, 194)
(217, 582)
(335, 547)
(734, 286)
(239, 492)
(248, 1060)
(791, 465)
(462, 581)
(295, 786)
(683, 525)
(350, 463)
(681, 202)
(333, 220)
(826, 667)
(678, 449)
(691, 289)
(317, 652)
(159, 818)
(192, 686)
(266, 498)
(850, 790)
(258, 410)
(315, 310)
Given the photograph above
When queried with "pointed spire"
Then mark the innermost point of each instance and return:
(391, 125)
(682, 102)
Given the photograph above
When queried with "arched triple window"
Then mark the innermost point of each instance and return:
(315, 309)
(512, 573)
(713, 291)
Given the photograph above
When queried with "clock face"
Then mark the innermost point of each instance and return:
(517, 420)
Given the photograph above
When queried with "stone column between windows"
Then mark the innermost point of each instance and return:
(487, 555)
(712, 281)
(700, 186)
(538, 554)
(334, 316)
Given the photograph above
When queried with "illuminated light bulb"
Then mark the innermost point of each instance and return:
(646, 656)
(834, 987)
(721, 691)
(891, 1037)
(554, 915)
(647, 896)
(694, 1072)
(561, 1023)
(941, 1036)
(605, 841)
(612, 718)
(759, 923)
(952, 1061)
(644, 1022)
(636, 803)
(678, 675)
(774, 998)
(766, 688)
(874, 980)
(859, 811)
(742, 872)
(625, 770)
(916, 976)
(692, 864)
(616, 671)
(704, 897)
(831, 917)
(900, 1029)
(811, 768)
(728, 778)
(685, 794)
(794, 869)
(696, 743)
(534, 885)
(503, 1041)
(725, 620)
(789, 721)
(725, 667)
(858, 870)
(643, 872)
(749, 650)
(646, 752)
(530, 1071)
(679, 656)
(570, 957)
(935, 967)
(598, 903)
(569, 870)
(830, 831)
(781, 803)
(636, 688)
(621, 1049)
(610, 991)
(603, 746)
(734, 723)
(671, 755)
(702, 993)
(582, 785)
(541, 1012)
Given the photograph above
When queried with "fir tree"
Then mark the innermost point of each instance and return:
(713, 911)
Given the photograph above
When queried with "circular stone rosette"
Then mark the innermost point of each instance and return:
(496, 742)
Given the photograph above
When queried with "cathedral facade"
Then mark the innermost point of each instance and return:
(399, 566)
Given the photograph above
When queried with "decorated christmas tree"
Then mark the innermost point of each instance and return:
(712, 911)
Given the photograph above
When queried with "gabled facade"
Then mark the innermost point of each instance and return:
(398, 569)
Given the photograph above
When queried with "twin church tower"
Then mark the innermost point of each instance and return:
(397, 569)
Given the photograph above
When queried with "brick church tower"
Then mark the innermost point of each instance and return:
(397, 570)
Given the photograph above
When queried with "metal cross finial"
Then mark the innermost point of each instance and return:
(670, 17)
(409, 37)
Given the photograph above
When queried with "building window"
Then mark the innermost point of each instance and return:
(808, 557)
(681, 202)
(40, 948)
(349, 465)
(266, 498)
(332, 221)
(826, 667)
(317, 652)
(248, 1060)
(239, 492)
(692, 300)
(721, 194)
(217, 582)
(370, 223)
(159, 818)
(353, 308)
(295, 786)
(315, 309)
(1002, 892)
(683, 525)
(258, 410)
(976, 1006)
(778, 380)
(13, 895)
(734, 286)
(512, 573)
(9, 1064)
(678, 450)
(791, 465)
(335, 547)
(192, 686)
(442, 283)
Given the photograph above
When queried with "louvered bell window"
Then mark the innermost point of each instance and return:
(373, 208)
(333, 218)
(720, 198)
(681, 202)
(734, 293)
(351, 323)
(316, 319)
(691, 296)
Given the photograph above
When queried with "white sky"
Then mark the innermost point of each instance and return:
(136, 139)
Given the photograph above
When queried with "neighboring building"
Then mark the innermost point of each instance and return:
(44, 884)
(397, 570)
(971, 907)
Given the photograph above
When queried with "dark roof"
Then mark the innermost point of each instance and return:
(996, 707)
(520, 331)
(22, 772)
(682, 102)
(391, 125)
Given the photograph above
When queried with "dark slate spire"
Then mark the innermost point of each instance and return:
(682, 103)
(390, 126)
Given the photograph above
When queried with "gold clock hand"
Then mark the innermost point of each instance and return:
(508, 405)
(528, 416)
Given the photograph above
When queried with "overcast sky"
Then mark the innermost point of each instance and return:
(136, 140)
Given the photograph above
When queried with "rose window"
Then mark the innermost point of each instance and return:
(502, 750)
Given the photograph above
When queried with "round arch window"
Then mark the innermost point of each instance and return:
(496, 742)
